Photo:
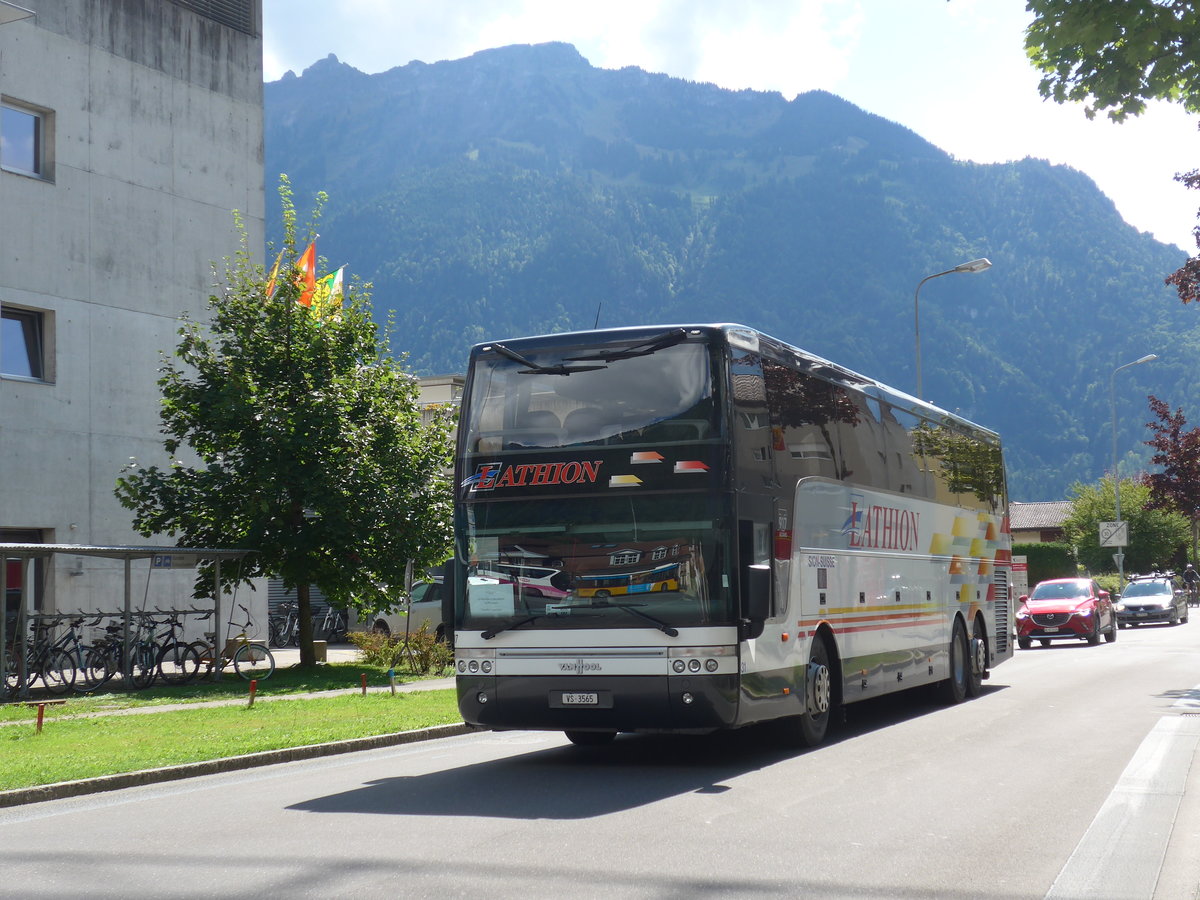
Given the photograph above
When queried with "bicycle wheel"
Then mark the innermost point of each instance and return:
(58, 671)
(96, 669)
(178, 663)
(145, 666)
(253, 661)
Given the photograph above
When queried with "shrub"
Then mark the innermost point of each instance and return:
(376, 649)
(424, 653)
(1047, 561)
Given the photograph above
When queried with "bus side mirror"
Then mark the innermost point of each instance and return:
(758, 592)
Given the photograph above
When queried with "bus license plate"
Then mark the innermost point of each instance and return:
(589, 698)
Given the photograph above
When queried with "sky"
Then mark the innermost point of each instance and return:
(953, 71)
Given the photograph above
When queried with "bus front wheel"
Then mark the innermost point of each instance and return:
(810, 727)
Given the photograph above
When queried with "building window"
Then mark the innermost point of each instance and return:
(25, 139)
(22, 343)
(624, 557)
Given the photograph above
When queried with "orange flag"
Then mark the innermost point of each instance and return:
(306, 280)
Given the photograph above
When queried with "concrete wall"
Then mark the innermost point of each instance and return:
(157, 136)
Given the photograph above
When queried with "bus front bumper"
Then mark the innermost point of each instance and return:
(599, 703)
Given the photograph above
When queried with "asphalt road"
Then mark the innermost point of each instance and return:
(1072, 776)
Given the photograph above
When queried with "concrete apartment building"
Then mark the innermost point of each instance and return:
(129, 132)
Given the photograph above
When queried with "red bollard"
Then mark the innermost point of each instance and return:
(253, 690)
(364, 683)
(42, 712)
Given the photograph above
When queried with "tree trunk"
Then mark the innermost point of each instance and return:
(308, 656)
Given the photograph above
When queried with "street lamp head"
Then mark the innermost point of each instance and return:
(1149, 357)
(975, 265)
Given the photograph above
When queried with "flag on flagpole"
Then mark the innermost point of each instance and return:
(274, 275)
(306, 279)
(329, 292)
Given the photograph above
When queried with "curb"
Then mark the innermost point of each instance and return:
(40, 793)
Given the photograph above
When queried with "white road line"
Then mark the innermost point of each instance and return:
(1121, 854)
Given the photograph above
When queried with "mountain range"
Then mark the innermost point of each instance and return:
(522, 191)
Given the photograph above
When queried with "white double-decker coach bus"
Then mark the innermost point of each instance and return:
(740, 531)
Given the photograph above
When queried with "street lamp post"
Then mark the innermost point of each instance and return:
(975, 265)
(1112, 399)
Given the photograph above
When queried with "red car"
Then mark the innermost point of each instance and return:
(1066, 608)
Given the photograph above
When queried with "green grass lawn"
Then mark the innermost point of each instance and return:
(294, 680)
(69, 749)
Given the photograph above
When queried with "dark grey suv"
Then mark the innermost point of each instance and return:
(1152, 598)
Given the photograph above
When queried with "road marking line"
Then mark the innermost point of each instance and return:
(1121, 854)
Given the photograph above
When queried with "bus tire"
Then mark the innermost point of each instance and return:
(810, 727)
(590, 738)
(977, 660)
(954, 688)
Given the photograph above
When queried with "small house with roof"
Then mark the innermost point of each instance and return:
(1038, 523)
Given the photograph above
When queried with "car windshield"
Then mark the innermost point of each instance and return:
(1146, 589)
(1059, 590)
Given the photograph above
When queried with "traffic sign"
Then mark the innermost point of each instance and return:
(1114, 534)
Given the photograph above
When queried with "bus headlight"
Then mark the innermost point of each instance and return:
(693, 660)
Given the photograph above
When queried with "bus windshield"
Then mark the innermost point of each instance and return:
(570, 396)
(588, 562)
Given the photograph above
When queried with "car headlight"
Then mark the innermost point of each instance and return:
(1021, 614)
(1085, 612)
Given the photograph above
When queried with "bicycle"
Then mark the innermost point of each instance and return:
(334, 625)
(284, 627)
(177, 662)
(108, 653)
(249, 660)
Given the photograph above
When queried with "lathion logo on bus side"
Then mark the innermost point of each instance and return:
(492, 475)
(879, 527)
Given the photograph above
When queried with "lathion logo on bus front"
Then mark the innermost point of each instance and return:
(878, 527)
(493, 475)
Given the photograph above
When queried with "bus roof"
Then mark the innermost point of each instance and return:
(752, 340)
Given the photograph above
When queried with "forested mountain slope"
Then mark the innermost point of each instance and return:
(522, 191)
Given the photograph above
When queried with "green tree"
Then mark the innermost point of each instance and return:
(1155, 535)
(1177, 450)
(1114, 55)
(305, 443)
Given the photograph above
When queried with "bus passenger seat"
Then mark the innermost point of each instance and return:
(583, 425)
(537, 428)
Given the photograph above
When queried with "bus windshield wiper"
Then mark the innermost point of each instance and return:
(630, 608)
(538, 368)
(645, 348)
(492, 632)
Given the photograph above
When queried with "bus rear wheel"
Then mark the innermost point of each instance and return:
(954, 688)
(977, 660)
(590, 738)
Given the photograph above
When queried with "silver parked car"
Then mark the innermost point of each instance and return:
(424, 608)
